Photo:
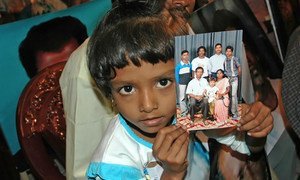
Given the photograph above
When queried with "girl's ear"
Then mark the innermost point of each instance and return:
(113, 103)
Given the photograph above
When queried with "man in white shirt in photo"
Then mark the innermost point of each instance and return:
(201, 61)
(217, 60)
(195, 90)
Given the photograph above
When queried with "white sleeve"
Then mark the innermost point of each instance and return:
(194, 64)
(86, 110)
(189, 89)
(236, 141)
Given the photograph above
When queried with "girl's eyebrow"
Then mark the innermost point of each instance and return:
(120, 83)
(170, 72)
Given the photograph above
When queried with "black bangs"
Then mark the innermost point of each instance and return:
(147, 40)
(133, 40)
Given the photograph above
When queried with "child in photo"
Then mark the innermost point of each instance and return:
(211, 92)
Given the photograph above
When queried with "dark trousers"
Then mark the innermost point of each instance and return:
(196, 105)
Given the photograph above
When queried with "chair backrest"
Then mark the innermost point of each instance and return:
(41, 123)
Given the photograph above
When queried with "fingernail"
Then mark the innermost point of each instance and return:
(248, 133)
(239, 129)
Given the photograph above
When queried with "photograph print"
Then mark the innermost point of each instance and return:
(208, 79)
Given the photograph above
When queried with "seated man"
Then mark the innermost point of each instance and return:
(51, 42)
(195, 90)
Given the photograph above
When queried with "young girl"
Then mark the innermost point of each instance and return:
(132, 61)
(211, 93)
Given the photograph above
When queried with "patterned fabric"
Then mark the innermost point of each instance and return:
(228, 69)
(46, 6)
(291, 81)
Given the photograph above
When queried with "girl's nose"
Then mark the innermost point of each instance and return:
(148, 101)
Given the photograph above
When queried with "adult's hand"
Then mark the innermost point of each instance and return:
(256, 119)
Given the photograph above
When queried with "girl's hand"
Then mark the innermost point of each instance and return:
(170, 148)
(256, 119)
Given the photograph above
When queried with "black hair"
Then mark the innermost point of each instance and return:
(229, 47)
(201, 47)
(218, 44)
(49, 36)
(222, 72)
(212, 79)
(184, 51)
(199, 68)
(130, 33)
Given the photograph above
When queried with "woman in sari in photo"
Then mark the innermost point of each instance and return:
(222, 100)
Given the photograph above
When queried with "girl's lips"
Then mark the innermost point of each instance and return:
(153, 121)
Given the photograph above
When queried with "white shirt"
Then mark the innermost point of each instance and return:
(211, 93)
(201, 62)
(123, 155)
(196, 86)
(217, 62)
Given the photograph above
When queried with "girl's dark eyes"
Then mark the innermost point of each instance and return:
(126, 90)
(129, 89)
(164, 83)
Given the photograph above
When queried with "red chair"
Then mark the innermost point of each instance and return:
(41, 124)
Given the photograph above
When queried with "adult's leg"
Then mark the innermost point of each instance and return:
(204, 107)
(182, 100)
(234, 100)
(192, 107)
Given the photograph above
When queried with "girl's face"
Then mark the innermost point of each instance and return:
(145, 95)
(212, 83)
